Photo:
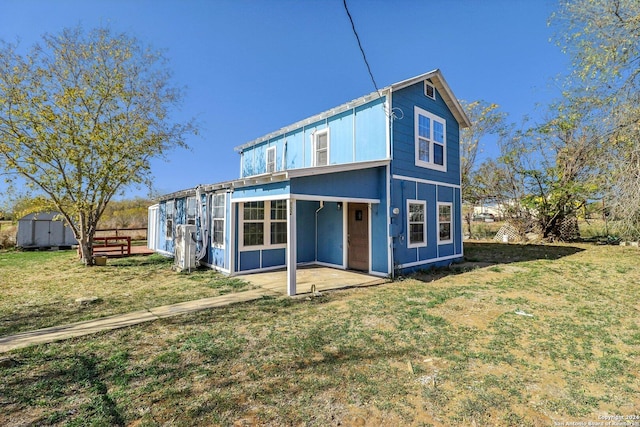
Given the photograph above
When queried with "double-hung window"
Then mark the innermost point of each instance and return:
(264, 223)
(271, 159)
(416, 223)
(278, 222)
(169, 209)
(444, 223)
(191, 210)
(217, 219)
(321, 147)
(253, 224)
(430, 140)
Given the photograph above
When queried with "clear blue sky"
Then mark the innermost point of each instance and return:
(252, 67)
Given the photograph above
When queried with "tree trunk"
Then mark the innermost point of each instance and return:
(85, 243)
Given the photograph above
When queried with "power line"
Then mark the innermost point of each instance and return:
(353, 27)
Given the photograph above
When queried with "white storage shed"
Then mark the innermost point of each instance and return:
(44, 230)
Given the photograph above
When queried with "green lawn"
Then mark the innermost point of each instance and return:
(518, 336)
(39, 288)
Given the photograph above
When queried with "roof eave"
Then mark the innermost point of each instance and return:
(445, 91)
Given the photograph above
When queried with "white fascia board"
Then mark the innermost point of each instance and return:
(425, 181)
(445, 91)
(316, 198)
(320, 170)
(429, 261)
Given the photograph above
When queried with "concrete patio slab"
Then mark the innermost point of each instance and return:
(324, 279)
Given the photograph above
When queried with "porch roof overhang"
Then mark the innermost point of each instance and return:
(280, 176)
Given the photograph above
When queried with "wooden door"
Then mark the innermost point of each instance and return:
(358, 236)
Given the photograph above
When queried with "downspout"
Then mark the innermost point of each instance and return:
(393, 239)
(318, 210)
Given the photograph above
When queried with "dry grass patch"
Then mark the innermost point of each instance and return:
(398, 354)
(40, 289)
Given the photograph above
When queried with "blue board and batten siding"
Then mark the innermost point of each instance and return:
(412, 182)
(358, 132)
(356, 135)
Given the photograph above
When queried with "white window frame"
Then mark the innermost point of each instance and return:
(450, 222)
(215, 218)
(266, 230)
(170, 218)
(428, 85)
(314, 142)
(273, 220)
(430, 140)
(271, 157)
(424, 223)
(191, 210)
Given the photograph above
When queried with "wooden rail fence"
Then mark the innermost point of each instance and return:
(113, 246)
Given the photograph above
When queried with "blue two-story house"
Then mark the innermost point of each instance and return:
(371, 185)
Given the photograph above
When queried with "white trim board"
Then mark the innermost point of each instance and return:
(425, 181)
(429, 261)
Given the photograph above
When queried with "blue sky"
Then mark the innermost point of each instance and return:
(252, 67)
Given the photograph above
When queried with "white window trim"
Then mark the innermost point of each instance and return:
(424, 224)
(450, 240)
(275, 160)
(433, 88)
(314, 139)
(266, 230)
(430, 164)
(190, 203)
(168, 232)
(213, 220)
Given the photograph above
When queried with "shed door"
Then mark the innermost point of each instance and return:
(358, 236)
(41, 234)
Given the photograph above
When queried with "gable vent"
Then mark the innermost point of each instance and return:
(429, 89)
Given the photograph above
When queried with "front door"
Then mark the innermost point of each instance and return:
(358, 236)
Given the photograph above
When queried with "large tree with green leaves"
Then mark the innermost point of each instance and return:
(486, 119)
(81, 115)
(602, 38)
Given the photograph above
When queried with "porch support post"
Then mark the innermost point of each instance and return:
(292, 259)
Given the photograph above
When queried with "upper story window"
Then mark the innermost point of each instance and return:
(217, 217)
(321, 147)
(444, 223)
(416, 223)
(271, 159)
(429, 89)
(430, 140)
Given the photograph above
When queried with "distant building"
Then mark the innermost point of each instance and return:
(44, 230)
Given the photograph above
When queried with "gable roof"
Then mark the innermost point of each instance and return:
(435, 76)
(444, 90)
